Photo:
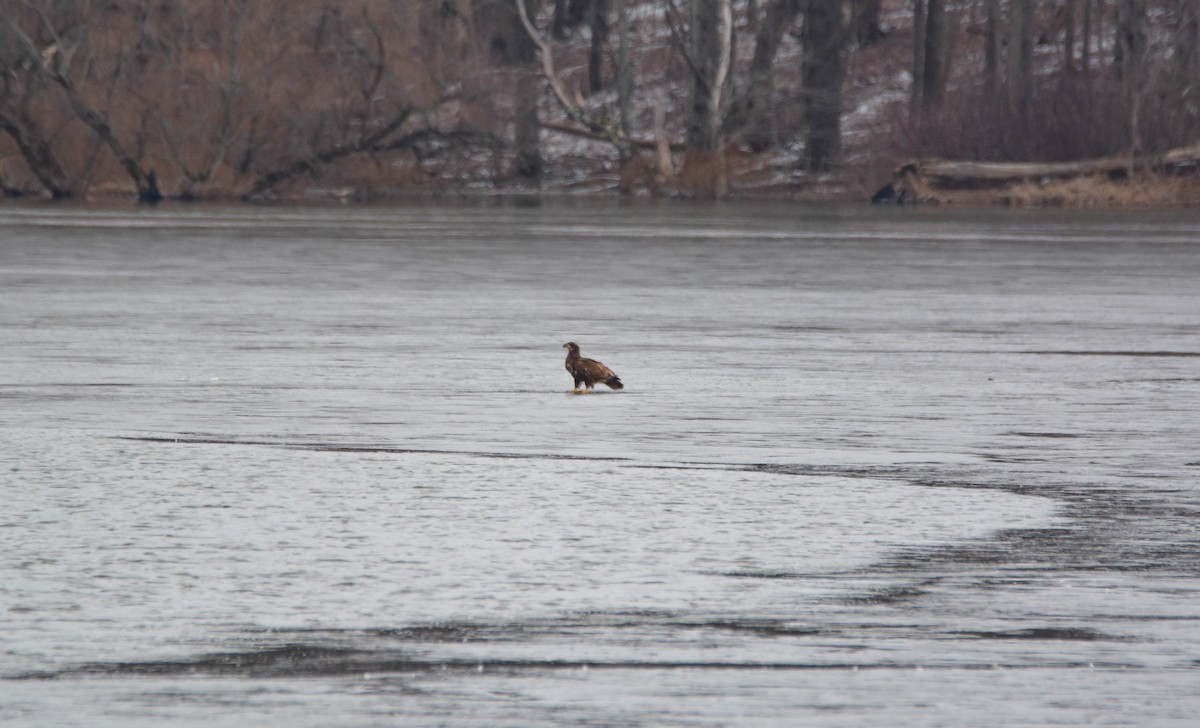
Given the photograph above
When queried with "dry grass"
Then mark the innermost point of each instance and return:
(1147, 190)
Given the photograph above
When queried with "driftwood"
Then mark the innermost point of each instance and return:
(923, 180)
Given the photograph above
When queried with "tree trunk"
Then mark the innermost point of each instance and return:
(711, 26)
(918, 57)
(1085, 50)
(38, 154)
(1019, 66)
(1069, 37)
(867, 31)
(624, 70)
(511, 47)
(1129, 54)
(558, 23)
(628, 162)
(1187, 36)
(933, 59)
(145, 181)
(596, 124)
(599, 27)
(664, 168)
(1028, 9)
(1187, 58)
(752, 113)
(822, 78)
(991, 58)
(527, 163)
(1129, 46)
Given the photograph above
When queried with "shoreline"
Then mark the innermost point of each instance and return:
(1146, 192)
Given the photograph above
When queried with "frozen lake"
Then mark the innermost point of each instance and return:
(320, 467)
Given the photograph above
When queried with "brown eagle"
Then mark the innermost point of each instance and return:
(588, 371)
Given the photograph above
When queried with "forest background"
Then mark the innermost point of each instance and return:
(251, 99)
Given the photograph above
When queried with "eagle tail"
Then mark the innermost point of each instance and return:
(614, 382)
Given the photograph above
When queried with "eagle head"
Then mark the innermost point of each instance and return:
(571, 345)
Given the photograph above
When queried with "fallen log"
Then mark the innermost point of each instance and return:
(925, 180)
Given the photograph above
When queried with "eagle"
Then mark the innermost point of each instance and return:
(588, 371)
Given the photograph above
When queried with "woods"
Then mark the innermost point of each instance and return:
(235, 99)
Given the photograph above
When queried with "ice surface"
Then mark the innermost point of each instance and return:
(284, 466)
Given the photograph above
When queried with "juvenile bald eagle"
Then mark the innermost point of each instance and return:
(588, 371)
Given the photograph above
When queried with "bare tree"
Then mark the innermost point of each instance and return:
(175, 98)
(624, 70)
(929, 54)
(59, 60)
(992, 47)
(499, 25)
(1129, 58)
(1129, 45)
(822, 70)
(1068, 46)
(865, 20)
(752, 112)
(568, 14)
(933, 73)
(600, 123)
(1187, 54)
(24, 120)
(920, 8)
(195, 95)
(1019, 64)
(598, 21)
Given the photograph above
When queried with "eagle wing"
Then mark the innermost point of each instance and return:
(592, 370)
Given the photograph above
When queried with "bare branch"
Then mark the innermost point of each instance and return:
(53, 66)
(573, 108)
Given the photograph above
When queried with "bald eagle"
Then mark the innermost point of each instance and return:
(588, 371)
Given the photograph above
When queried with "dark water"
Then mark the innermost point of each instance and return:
(320, 467)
